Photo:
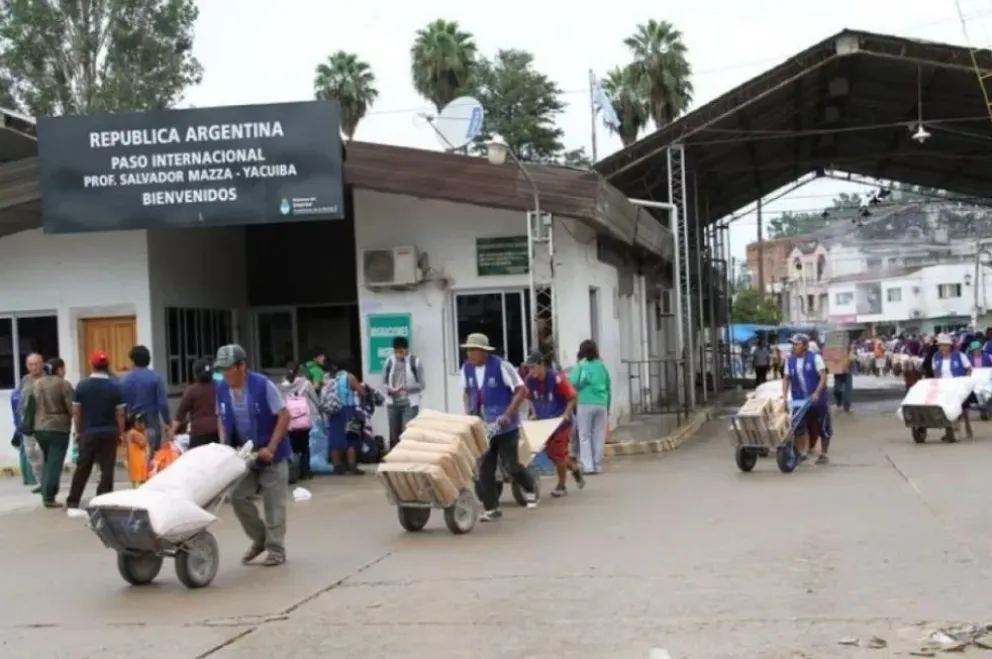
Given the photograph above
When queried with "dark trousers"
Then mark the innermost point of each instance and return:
(99, 449)
(300, 441)
(760, 374)
(203, 440)
(502, 449)
(54, 445)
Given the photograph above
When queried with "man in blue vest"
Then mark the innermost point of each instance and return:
(950, 363)
(552, 396)
(806, 379)
(250, 408)
(494, 391)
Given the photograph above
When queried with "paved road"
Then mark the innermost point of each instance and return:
(679, 551)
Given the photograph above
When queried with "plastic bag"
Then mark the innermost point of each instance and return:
(319, 464)
(172, 517)
(199, 474)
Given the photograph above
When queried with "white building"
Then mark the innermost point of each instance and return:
(805, 289)
(280, 289)
(929, 299)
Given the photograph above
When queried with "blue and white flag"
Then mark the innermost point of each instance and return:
(601, 103)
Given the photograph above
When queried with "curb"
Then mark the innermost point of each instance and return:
(682, 434)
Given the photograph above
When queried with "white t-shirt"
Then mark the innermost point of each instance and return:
(508, 374)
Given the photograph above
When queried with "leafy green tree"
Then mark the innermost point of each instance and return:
(521, 104)
(750, 307)
(443, 62)
(661, 65)
(64, 57)
(350, 81)
(628, 96)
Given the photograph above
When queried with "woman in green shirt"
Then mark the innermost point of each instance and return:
(591, 379)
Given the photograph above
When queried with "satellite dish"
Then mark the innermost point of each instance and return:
(458, 123)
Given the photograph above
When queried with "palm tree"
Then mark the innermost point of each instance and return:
(661, 65)
(348, 80)
(630, 102)
(443, 62)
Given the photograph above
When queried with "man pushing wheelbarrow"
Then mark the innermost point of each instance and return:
(806, 380)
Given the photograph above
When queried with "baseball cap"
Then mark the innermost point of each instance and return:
(535, 358)
(99, 358)
(230, 355)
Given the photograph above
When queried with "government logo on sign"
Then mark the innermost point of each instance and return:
(284, 207)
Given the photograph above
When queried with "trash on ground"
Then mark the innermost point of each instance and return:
(301, 494)
(659, 653)
(849, 641)
(957, 638)
(877, 643)
(76, 513)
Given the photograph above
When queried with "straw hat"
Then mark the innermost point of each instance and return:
(477, 341)
(944, 340)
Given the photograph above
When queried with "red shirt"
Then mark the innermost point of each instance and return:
(563, 386)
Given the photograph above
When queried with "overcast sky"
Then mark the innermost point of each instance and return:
(258, 51)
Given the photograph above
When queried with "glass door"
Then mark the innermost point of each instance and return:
(275, 338)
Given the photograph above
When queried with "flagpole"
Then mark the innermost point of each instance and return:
(592, 114)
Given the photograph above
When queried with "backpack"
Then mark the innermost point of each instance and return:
(414, 368)
(299, 412)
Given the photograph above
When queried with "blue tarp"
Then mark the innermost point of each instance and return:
(744, 332)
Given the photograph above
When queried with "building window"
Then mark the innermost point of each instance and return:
(893, 295)
(502, 316)
(873, 264)
(821, 267)
(844, 298)
(29, 334)
(947, 291)
(191, 334)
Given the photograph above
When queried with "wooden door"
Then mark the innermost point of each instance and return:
(113, 335)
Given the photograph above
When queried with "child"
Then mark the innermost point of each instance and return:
(137, 449)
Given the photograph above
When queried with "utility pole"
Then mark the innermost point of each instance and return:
(761, 252)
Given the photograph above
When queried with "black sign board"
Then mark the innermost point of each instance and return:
(249, 164)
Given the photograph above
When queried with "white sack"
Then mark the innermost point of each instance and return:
(770, 389)
(172, 518)
(947, 393)
(199, 474)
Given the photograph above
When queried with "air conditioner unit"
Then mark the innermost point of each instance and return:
(391, 267)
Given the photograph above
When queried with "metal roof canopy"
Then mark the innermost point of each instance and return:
(847, 103)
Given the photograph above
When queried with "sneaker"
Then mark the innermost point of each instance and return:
(531, 499)
(254, 552)
(559, 492)
(355, 471)
(273, 559)
(52, 504)
(36, 490)
(340, 470)
(579, 477)
(823, 459)
(490, 515)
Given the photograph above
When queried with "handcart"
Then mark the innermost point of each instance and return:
(921, 418)
(503, 476)
(753, 439)
(141, 552)
(460, 516)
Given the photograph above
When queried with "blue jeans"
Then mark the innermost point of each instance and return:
(842, 390)
(399, 416)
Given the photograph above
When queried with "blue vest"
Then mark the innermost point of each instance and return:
(547, 402)
(957, 368)
(263, 420)
(985, 360)
(804, 378)
(495, 395)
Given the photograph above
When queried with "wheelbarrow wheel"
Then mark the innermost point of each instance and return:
(463, 514)
(746, 457)
(520, 494)
(919, 435)
(198, 560)
(413, 519)
(139, 569)
(785, 456)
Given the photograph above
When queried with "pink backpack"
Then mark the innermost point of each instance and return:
(299, 412)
